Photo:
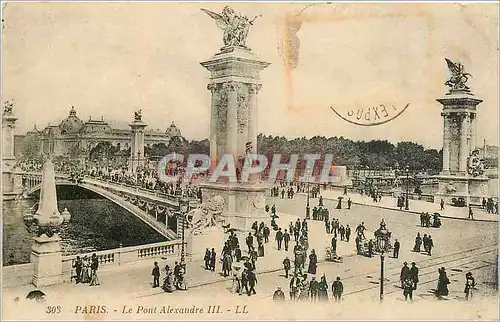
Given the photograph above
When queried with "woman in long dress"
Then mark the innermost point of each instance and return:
(85, 270)
(94, 266)
(323, 289)
(167, 281)
(442, 287)
(313, 261)
(418, 243)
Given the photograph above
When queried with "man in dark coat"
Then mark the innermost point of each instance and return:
(78, 269)
(249, 241)
(349, 203)
(414, 274)
(337, 289)
(266, 233)
(395, 253)
(156, 275)
(252, 281)
(347, 233)
(314, 289)
(213, 258)
(334, 244)
(286, 239)
(405, 272)
(286, 266)
(370, 248)
(279, 238)
(430, 244)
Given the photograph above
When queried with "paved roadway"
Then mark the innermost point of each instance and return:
(460, 246)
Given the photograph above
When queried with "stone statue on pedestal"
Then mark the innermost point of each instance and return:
(458, 77)
(235, 26)
(475, 166)
(206, 215)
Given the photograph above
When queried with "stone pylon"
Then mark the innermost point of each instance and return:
(137, 145)
(47, 207)
(11, 178)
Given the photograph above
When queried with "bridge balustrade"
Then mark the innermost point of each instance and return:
(125, 255)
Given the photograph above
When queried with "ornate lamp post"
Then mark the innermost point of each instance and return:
(407, 170)
(183, 209)
(382, 235)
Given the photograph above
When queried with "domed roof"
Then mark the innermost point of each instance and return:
(72, 124)
(173, 130)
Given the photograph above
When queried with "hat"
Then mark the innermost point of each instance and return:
(405, 263)
(413, 263)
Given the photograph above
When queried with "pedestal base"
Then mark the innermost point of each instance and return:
(472, 189)
(244, 204)
(46, 256)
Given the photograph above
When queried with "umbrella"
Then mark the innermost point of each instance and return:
(230, 230)
(274, 216)
(437, 214)
(35, 295)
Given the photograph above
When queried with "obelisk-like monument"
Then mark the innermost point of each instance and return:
(235, 85)
(463, 173)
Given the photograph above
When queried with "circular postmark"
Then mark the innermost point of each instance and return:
(370, 116)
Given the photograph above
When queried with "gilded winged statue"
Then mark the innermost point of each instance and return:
(7, 107)
(458, 76)
(235, 26)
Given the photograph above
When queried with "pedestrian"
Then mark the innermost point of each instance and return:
(471, 214)
(286, 266)
(156, 275)
(425, 242)
(279, 238)
(470, 283)
(167, 280)
(408, 288)
(78, 265)
(414, 274)
(313, 261)
(405, 272)
(273, 209)
(395, 253)
(252, 281)
(213, 258)
(430, 244)
(266, 232)
(294, 286)
(337, 289)
(347, 233)
(286, 239)
(249, 242)
(349, 203)
(370, 248)
(418, 243)
(314, 289)
(345, 191)
(323, 289)
(206, 258)
(85, 276)
(94, 266)
(442, 204)
(334, 245)
(443, 281)
(320, 202)
(278, 295)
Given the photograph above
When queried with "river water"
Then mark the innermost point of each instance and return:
(96, 224)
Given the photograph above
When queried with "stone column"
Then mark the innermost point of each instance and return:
(464, 149)
(473, 131)
(253, 115)
(232, 118)
(446, 144)
(213, 124)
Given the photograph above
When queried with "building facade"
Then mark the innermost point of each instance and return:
(74, 138)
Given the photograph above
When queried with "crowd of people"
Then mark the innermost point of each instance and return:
(85, 270)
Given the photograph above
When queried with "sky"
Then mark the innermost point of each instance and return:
(110, 59)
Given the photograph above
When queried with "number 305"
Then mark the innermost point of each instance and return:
(53, 309)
